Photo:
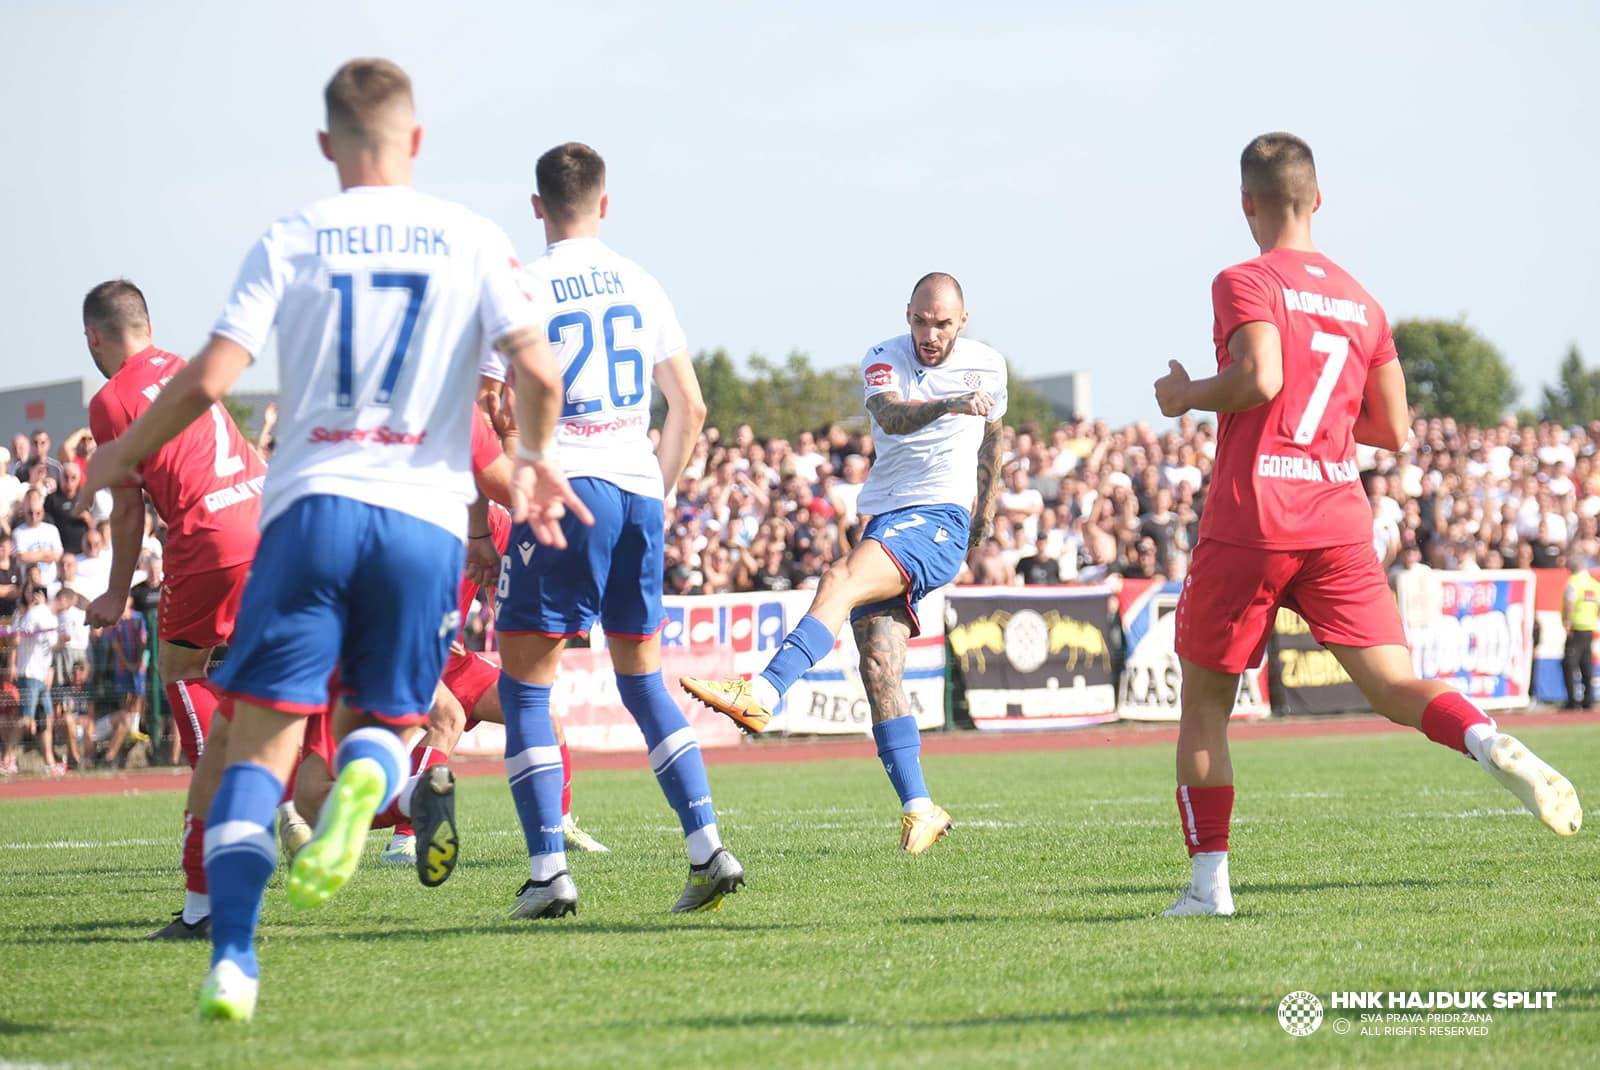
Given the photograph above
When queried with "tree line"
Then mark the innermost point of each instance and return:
(1451, 370)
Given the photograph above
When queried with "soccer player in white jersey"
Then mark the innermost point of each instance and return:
(614, 331)
(936, 400)
(383, 298)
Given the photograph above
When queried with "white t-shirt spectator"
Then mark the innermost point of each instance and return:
(74, 627)
(1027, 501)
(1182, 473)
(27, 538)
(36, 642)
(807, 464)
(11, 490)
(1554, 455)
(94, 575)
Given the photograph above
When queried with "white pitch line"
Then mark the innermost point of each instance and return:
(76, 845)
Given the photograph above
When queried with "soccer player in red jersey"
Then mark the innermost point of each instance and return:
(1306, 370)
(205, 485)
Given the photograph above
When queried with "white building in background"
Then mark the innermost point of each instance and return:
(1067, 393)
(60, 407)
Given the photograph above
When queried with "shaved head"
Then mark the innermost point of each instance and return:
(116, 307)
(369, 99)
(1277, 169)
(938, 280)
(936, 314)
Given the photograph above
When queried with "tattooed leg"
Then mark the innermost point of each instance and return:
(881, 638)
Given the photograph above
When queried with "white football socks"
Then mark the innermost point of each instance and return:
(1478, 740)
(702, 844)
(542, 867)
(1211, 873)
(196, 905)
(762, 690)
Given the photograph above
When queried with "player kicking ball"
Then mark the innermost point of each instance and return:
(1308, 369)
(383, 299)
(614, 331)
(936, 400)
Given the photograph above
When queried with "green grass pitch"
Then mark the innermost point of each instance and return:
(1031, 937)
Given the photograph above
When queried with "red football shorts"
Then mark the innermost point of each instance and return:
(469, 677)
(200, 609)
(1232, 594)
(319, 738)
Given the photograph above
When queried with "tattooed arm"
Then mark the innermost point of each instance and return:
(899, 417)
(988, 485)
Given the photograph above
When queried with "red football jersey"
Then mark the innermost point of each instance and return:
(486, 449)
(500, 532)
(205, 483)
(1285, 476)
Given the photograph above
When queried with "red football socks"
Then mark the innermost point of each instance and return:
(1204, 814)
(1448, 717)
(192, 702)
(194, 853)
(566, 779)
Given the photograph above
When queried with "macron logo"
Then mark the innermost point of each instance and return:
(526, 550)
(941, 536)
(1312, 269)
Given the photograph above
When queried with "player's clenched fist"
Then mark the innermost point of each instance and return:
(1171, 390)
(977, 403)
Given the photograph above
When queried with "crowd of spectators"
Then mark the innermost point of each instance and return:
(1079, 502)
(1084, 501)
(78, 691)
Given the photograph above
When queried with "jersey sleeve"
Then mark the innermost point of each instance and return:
(879, 374)
(1001, 394)
(1240, 295)
(486, 448)
(252, 305)
(504, 306)
(108, 419)
(1384, 351)
(668, 339)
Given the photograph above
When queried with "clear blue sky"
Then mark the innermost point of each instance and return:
(788, 172)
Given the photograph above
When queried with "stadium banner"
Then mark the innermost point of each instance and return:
(1550, 637)
(1474, 630)
(586, 702)
(1151, 678)
(828, 700)
(1034, 657)
(1304, 677)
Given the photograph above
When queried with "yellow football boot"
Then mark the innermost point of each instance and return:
(733, 698)
(921, 830)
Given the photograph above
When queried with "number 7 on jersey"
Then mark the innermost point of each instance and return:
(1337, 348)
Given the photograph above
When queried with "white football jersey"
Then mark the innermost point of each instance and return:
(610, 324)
(383, 299)
(937, 464)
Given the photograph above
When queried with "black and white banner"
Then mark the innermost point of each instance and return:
(1033, 657)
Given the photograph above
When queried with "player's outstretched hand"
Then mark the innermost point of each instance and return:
(107, 468)
(977, 403)
(1170, 390)
(106, 610)
(541, 496)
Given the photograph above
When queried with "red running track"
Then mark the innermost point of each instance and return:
(1120, 734)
